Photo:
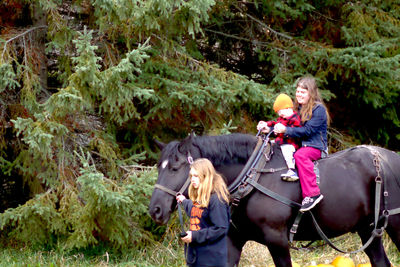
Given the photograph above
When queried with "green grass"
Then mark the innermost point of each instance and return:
(169, 252)
(255, 255)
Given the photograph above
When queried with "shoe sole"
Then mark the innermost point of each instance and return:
(313, 204)
(289, 179)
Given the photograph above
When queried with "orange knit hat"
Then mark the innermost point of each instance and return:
(283, 101)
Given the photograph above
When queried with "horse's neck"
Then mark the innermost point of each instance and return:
(229, 154)
(232, 170)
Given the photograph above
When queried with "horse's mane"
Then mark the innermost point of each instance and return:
(226, 149)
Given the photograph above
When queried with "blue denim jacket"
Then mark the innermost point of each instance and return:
(314, 131)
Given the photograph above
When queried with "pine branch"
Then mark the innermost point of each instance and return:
(20, 35)
(264, 44)
(276, 32)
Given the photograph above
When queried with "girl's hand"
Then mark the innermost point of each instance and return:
(180, 198)
(279, 128)
(188, 237)
(263, 126)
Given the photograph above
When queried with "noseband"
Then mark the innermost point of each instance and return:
(172, 192)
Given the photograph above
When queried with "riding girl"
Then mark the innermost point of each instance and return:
(313, 134)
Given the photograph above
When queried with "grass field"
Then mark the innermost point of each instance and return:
(255, 255)
(170, 253)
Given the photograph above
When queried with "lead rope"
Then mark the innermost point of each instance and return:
(183, 233)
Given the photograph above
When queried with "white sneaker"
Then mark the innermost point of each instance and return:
(290, 176)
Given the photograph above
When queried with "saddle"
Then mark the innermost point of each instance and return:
(248, 178)
(240, 188)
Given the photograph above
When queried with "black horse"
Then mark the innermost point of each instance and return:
(347, 180)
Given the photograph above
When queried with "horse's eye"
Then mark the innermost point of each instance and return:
(173, 167)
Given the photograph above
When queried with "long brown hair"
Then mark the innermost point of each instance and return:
(310, 84)
(210, 182)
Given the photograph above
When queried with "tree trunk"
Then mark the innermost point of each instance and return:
(39, 20)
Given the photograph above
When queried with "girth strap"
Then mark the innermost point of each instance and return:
(394, 211)
(293, 229)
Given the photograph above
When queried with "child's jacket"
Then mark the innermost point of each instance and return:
(292, 121)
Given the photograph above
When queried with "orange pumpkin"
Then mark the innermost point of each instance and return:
(341, 261)
(325, 265)
(364, 265)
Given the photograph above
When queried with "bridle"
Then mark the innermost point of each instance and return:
(179, 192)
(184, 186)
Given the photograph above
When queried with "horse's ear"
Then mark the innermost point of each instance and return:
(160, 144)
(186, 143)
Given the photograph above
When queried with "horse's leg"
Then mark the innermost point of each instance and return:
(375, 250)
(235, 246)
(278, 247)
(393, 229)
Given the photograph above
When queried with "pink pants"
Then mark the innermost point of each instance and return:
(304, 157)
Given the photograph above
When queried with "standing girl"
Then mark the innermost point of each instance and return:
(209, 216)
(315, 119)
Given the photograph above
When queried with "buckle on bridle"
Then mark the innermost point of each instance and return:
(189, 158)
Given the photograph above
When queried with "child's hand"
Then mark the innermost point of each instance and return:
(279, 128)
(188, 237)
(263, 126)
(180, 198)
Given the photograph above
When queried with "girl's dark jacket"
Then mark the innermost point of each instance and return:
(209, 228)
(314, 131)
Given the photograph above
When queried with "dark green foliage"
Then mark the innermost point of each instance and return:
(351, 47)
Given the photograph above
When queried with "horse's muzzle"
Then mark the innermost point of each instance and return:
(158, 215)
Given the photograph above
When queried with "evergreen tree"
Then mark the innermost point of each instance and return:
(85, 86)
(116, 82)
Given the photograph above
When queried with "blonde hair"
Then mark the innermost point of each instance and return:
(210, 182)
(310, 84)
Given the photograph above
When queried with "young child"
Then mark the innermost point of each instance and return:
(283, 105)
(209, 216)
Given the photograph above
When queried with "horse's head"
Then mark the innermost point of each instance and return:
(173, 171)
